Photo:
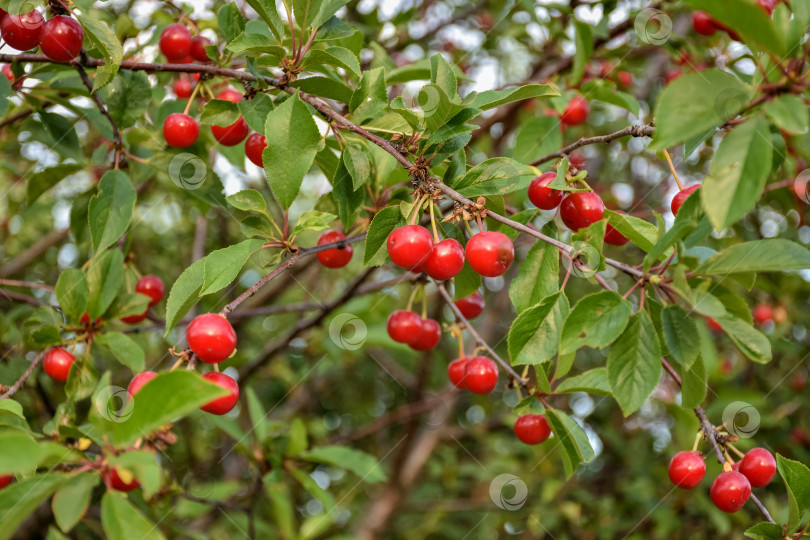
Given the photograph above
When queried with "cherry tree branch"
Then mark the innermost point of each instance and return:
(633, 131)
(21, 381)
(102, 109)
(25, 284)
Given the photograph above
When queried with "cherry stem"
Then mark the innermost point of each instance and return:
(567, 275)
(698, 436)
(460, 344)
(735, 450)
(424, 303)
(469, 229)
(672, 168)
(415, 210)
(409, 307)
(433, 224)
(192, 96)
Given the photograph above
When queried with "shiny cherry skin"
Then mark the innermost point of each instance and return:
(21, 32)
(614, 237)
(542, 196)
(577, 159)
(230, 94)
(687, 469)
(455, 372)
(404, 326)
(713, 325)
(114, 481)
(151, 286)
(581, 209)
(681, 196)
(703, 23)
(254, 146)
(428, 337)
(139, 380)
(336, 257)
(175, 43)
(57, 364)
(198, 44)
(758, 466)
(576, 112)
(532, 428)
(61, 38)
(490, 253)
(409, 246)
(231, 135)
(729, 491)
(762, 314)
(180, 130)
(481, 375)
(135, 319)
(446, 260)
(471, 306)
(226, 403)
(211, 337)
(183, 87)
(5, 479)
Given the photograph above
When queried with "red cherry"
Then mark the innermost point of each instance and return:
(729, 491)
(758, 466)
(714, 326)
(625, 79)
(687, 469)
(61, 38)
(428, 337)
(175, 43)
(681, 196)
(254, 146)
(542, 196)
(471, 306)
(481, 375)
(455, 371)
(6, 69)
(762, 314)
(85, 319)
(57, 364)
(151, 286)
(183, 87)
(114, 481)
(230, 94)
(5, 479)
(581, 209)
(532, 428)
(577, 159)
(768, 5)
(672, 74)
(226, 403)
(337, 257)
(703, 23)
(490, 253)
(135, 319)
(198, 44)
(576, 112)
(139, 380)
(614, 237)
(180, 130)
(409, 246)
(231, 135)
(446, 260)
(21, 32)
(404, 326)
(211, 337)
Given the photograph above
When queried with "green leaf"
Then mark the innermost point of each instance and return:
(104, 278)
(268, 12)
(22, 454)
(376, 249)
(634, 364)
(127, 97)
(255, 111)
(62, 133)
(603, 92)
(223, 265)
(363, 465)
(750, 341)
(121, 520)
(282, 508)
(358, 163)
(231, 22)
(124, 349)
(680, 335)
(248, 200)
(688, 219)
(693, 384)
(370, 89)
(325, 87)
(679, 116)
(20, 499)
(143, 466)
(219, 112)
(745, 17)
(495, 98)
(596, 321)
(129, 304)
(71, 292)
(111, 209)
(313, 220)
(256, 43)
(583, 37)
(292, 142)
(71, 501)
(443, 74)
(534, 336)
(347, 199)
(82, 379)
(436, 106)
(44, 180)
(466, 282)
(642, 233)
(737, 173)
(496, 176)
(538, 276)
(334, 56)
(765, 531)
(789, 113)
(107, 44)
(258, 418)
(326, 11)
(593, 381)
(797, 481)
(537, 137)
(770, 255)
(576, 448)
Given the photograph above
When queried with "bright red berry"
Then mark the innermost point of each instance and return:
(404, 326)
(22, 32)
(337, 257)
(211, 337)
(532, 428)
(625, 79)
(542, 196)
(254, 146)
(614, 237)
(114, 481)
(198, 44)
(703, 23)
(139, 380)
(429, 335)
(231, 135)
(180, 130)
(758, 466)
(471, 306)
(230, 94)
(581, 209)
(455, 371)
(446, 260)
(6, 69)
(57, 364)
(687, 469)
(681, 196)
(61, 38)
(713, 325)
(481, 375)
(672, 74)
(576, 112)
(175, 43)
(151, 286)
(762, 314)
(490, 253)
(409, 246)
(226, 403)
(729, 491)
(183, 87)
(135, 319)
(577, 160)
(5, 479)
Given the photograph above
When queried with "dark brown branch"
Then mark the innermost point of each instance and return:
(633, 131)
(21, 381)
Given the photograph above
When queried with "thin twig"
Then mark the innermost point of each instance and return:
(634, 131)
(103, 110)
(21, 381)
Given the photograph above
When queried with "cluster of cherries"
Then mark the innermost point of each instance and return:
(705, 24)
(60, 37)
(732, 487)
